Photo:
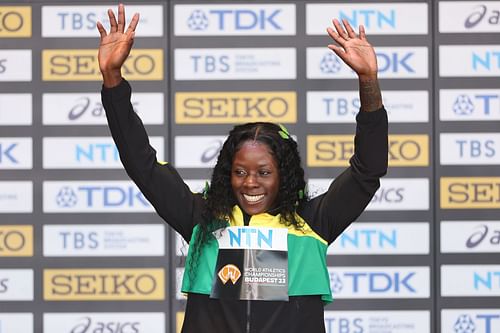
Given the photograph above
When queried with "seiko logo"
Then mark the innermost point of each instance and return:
(224, 107)
(483, 235)
(88, 326)
(103, 284)
(482, 14)
(11, 21)
(473, 192)
(11, 241)
(63, 65)
(82, 65)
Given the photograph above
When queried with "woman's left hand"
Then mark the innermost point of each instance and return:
(354, 50)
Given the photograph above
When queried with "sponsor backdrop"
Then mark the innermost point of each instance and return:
(81, 250)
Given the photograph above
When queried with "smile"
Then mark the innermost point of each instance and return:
(253, 198)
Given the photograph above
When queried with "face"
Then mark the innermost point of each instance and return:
(255, 178)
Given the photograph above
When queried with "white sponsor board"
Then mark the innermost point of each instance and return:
(469, 104)
(470, 236)
(393, 194)
(86, 108)
(16, 285)
(197, 151)
(470, 320)
(137, 322)
(379, 19)
(469, 148)
(15, 109)
(235, 64)
(343, 106)
(382, 238)
(87, 152)
(469, 60)
(93, 197)
(80, 21)
(15, 65)
(380, 282)
(16, 153)
(468, 16)
(393, 63)
(470, 280)
(396, 321)
(16, 197)
(234, 20)
(16, 322)
(95, 240)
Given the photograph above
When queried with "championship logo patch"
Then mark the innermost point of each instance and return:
(229, 272)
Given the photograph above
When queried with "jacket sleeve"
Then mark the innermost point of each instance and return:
(159, 182)
(349, 194)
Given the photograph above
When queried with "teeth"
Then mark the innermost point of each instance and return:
(253, 198)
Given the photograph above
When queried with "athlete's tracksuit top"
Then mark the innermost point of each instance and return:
(325, 217)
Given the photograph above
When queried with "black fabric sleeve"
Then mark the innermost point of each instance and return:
(332, 212)
(160, 183)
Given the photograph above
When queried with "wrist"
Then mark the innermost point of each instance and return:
(370, 77)
(111, 78)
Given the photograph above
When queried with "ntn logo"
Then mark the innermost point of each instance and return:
(487, 60)
(370, 18)
(489, 280)
(369, 238)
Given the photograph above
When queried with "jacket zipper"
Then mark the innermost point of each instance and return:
(248, 316)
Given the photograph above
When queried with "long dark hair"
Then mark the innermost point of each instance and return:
(220, 198)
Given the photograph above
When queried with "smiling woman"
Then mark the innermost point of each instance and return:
(258, 243)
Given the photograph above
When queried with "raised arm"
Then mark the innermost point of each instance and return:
(159, 182)
(357, 53)
(351, 191)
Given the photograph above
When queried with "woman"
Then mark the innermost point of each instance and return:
(257, 257)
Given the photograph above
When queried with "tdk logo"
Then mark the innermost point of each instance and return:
(486, 60)
(470, 324)
(7, 153)
(243, 19)
(373, 282)
(101, 196)
(465, 105)
(330, 64)
(370, 18)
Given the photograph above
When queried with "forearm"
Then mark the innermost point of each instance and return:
(369, 93)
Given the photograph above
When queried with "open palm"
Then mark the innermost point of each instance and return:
(115, 47)
(354, 50)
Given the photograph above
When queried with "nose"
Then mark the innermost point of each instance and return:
(250, 181)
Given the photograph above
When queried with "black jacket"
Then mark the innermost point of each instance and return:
(328, 215)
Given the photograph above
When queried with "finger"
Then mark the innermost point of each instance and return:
(340, 30)
(133, 23)
(112, 21)
(121, 18)
(101, 29)
(350, 31)
(362, 33)
(335, 36)
(338, 51)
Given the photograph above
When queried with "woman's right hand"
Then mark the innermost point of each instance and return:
(115, 47)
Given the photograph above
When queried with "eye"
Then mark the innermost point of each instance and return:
(264, 172)
(240, 172)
